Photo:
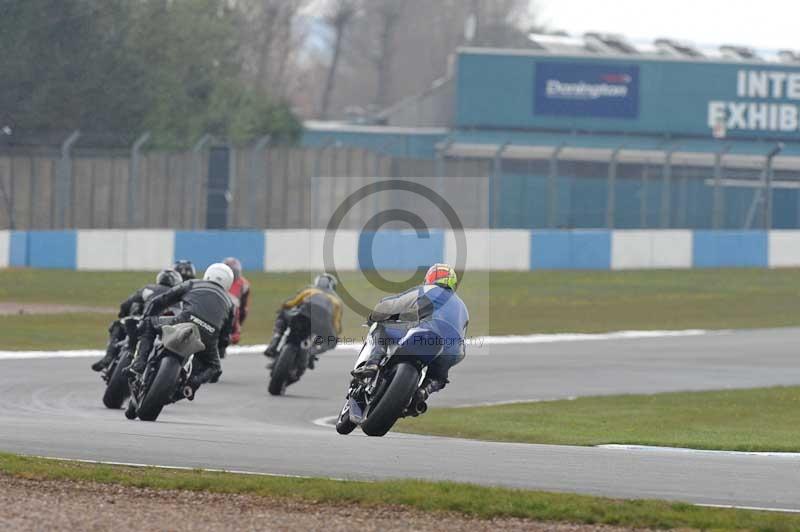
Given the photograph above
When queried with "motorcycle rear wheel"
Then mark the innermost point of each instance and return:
(390, 407)
(162, 389)
(117, 389)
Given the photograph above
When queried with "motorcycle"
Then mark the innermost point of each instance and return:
(117, 389)
(376, 403)
(294, 351)
(165, 379)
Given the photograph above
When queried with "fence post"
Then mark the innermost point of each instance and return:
(133, 178)
(611, 193)
(64, 175)
(666, 188)
(255, 151)
(317, 175)
(198, 168)
(768, 186)
(497, 172)
(718, 208)
(552, 187)
(441, 149)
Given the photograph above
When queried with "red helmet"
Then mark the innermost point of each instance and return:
(442, 275)
(234, 264)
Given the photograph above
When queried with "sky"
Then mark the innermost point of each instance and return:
(761, 24)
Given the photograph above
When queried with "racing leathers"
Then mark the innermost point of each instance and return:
(132, 306)
(240, 295)
(323, 308)
(434, 314)
(203, 303)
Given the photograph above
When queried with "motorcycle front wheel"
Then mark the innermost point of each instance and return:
(281, 371)
(117, 389)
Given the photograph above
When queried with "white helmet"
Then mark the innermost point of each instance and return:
(221, 274)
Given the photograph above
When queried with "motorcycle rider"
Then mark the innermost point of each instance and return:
(240, 294)
(324, 308)
(134, 305)
(186, 269)
(435, 307)
(206, 304)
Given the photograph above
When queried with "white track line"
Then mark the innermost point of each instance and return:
(752, 508)
(327, 421)
(184, 468)
(280, 475)
(684, 450)
(474, 342)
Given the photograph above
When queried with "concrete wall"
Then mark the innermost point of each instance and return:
(303, 250)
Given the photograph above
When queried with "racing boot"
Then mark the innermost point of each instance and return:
(103, 363)
(272, 349)
(429, 387)
(370, 367)
(136, 369)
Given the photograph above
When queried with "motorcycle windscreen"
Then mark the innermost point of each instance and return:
(423, 344)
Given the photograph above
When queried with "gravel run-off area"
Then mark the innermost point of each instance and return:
(61, 505)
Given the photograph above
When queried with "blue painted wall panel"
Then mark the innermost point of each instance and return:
(724, 249)
(550, 250)
(570, 250)
(52, 249)
(399, 250)
(207, 247)
(591, 250)
(18, 249)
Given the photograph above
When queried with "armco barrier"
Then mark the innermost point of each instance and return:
(303, 250)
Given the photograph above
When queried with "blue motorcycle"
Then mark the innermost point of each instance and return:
(376, 403)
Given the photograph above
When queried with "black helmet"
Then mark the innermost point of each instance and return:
(186, 269)
(168, 278)
(326, 281)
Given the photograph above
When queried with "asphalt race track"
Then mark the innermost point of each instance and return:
(52, 407)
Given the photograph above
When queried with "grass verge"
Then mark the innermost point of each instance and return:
(763, 419)
(499, 302)
(470, 500)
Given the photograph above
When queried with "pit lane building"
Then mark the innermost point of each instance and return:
(596, 132)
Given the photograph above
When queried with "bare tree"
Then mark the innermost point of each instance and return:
(393, 49)
(340, 14)
(272, 38)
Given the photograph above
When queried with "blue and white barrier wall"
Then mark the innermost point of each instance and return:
(500, 249)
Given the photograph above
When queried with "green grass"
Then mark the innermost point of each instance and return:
(763, 419)
(470, 500)
(499, 303)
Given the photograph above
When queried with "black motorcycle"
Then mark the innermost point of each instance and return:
(375, 404)
(165, 379)
(295, 349)
(117, 389)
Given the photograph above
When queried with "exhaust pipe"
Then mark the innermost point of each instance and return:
(420, 408)
(188, 392)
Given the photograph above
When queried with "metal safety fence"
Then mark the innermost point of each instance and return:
(265, 185)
